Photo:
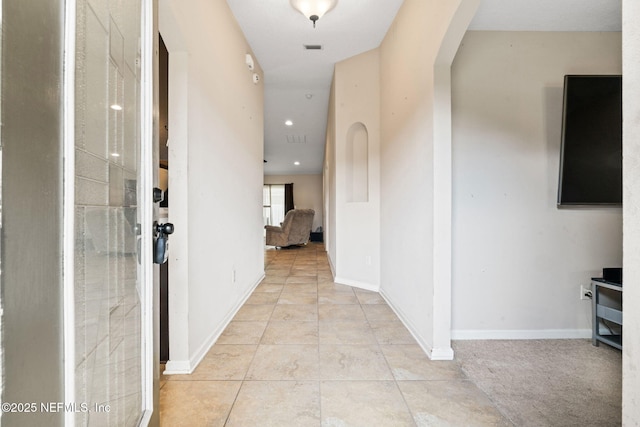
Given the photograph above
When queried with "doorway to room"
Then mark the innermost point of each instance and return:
(163, 182)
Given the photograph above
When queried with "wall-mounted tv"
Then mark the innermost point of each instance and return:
(591, 153)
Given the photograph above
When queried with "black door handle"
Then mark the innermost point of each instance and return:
(161, 244)
(166, 228)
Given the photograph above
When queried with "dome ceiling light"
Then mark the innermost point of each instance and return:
(313, 9)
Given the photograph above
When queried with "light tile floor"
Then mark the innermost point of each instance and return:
(304, 351)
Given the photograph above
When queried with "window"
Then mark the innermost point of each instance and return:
(273, 204)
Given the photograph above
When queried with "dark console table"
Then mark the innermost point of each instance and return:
(604, 311)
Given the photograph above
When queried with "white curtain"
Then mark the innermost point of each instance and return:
(273, 204)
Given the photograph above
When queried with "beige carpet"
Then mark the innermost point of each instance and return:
(547, 382)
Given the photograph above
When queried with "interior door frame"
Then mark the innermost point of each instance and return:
(68, 208)
(148, 212)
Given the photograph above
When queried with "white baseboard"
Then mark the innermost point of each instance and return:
(333, 269)
(512, 334)
(444, 353)
(441, 354)
(357, 284)
(177, 367)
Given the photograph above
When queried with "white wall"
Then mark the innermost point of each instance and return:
(631, 195)
(518, 260)
(215, 175)
(307, 192)
(411, 270)
(357, 215)
(329, 181)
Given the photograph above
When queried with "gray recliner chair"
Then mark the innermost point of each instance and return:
(294, 230)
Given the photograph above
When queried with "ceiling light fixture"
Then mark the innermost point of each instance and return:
(313, 9)
(288, 123)
(296, 163)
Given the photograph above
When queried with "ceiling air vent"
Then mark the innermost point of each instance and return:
(312, 47)
(296, 139)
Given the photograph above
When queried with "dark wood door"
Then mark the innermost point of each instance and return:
(164, 163)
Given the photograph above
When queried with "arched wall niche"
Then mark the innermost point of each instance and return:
(357, 163)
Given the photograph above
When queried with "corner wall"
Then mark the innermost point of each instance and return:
(415, 259)
(518, 260)
(215, 175)
(356, 147)
(329, 181)
(631, 212)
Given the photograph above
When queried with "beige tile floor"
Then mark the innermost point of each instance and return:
(304, 351)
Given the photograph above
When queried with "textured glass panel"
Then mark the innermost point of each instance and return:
(101, 10)
(108, 307)
(116, 116)
(116, 185)
(91, 193)
(93, 106)
(91, 167)
(130, 113)
(131, 31)
(116, 45)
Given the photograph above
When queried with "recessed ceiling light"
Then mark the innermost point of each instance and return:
(288, 123)
(115, 155)
(116, 107)
(296, 163)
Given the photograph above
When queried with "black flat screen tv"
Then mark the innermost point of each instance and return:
(591, 152)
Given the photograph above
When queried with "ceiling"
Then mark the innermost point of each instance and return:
(297, 82)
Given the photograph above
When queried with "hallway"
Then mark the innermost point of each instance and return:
(304, 351)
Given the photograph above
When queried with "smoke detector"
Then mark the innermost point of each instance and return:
(248, 59)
